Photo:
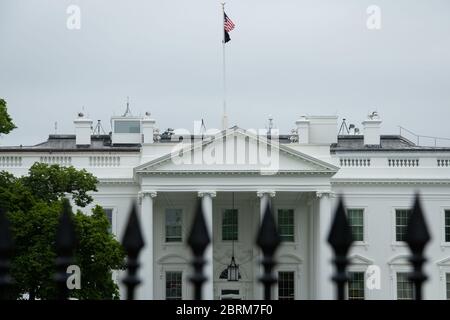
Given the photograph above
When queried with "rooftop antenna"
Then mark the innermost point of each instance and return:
(128, 111)
(343, 129)
(203, 128)
(98, 130)
(270, 126)
(83, 111)
(373, 115)
(56, 127)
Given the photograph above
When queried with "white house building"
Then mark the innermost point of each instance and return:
(235, 172)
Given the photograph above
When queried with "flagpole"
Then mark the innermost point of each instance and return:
(224, 116)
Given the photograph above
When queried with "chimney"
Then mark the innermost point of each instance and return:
(303, 130)
(372, 127)
(83, 130)
(148, 128)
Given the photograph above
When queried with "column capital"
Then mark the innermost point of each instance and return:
(201, 194)
(271, 193)
(323, 194)
(147, 193)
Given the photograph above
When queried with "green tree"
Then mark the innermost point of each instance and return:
(6, 123)
(34, 204)
(50, 183)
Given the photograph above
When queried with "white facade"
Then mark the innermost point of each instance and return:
(303, 174)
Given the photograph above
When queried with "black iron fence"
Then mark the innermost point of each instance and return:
(268, 240)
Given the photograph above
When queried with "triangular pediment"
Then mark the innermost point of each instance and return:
(444, 262)
(235, 150)
(357, 259)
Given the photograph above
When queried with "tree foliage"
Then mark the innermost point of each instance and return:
(50, 183)
(6, 123)
(34, 204)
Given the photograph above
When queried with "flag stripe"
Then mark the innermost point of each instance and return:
(228, 24)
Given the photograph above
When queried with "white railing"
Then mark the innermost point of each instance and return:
(424, 141)
(61, 160)
(104, 161)
(355, 162)
(443, 162)
(402, 162)
(10, 161)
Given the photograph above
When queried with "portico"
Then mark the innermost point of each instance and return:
(299, 191)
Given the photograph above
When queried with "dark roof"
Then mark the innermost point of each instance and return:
(348, 143)
(67, 142)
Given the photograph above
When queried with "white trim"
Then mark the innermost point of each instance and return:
(365, 242)
(164, 241)
(113, 217)
(444, 244)
(398, 263)
(221, 210)
(362, 269)
(184, 280)
(394, 243)
(297, 279)
(297, 231)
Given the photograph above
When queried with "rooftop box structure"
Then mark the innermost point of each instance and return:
(126, 130)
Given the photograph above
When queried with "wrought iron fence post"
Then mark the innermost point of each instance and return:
(6, 248)
(268, 240)
(340, 238)
(417, 236)
(133, 242)
(198, 241)
(65, 246)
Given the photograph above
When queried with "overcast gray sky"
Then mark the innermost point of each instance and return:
(286, 58)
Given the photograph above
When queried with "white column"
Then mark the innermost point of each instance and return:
(264, 198)
(146, 289)
(324, 268)
(208, 287)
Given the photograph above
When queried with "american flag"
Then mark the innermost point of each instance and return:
(228, 25)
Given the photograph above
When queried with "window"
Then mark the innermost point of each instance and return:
(286, 285)
(405, 288)
(173, 285)
(127, 126)
(447, 225)
(230, 224)
(356, 286)
(447, 285)
(109, 216)
(401, 223)
(286, 224)
(173, 225)
(356, 221)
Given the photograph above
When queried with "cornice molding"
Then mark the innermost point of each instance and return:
(392, 181)
(237, 172)
(117, 181)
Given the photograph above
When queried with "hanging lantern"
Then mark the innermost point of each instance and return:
(233, 270)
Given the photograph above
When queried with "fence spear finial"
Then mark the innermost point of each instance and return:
(417, 236)
(133, 242)
(6, 248)
(198, 241)
(65, 246)
(268, 240)
(340, 238)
